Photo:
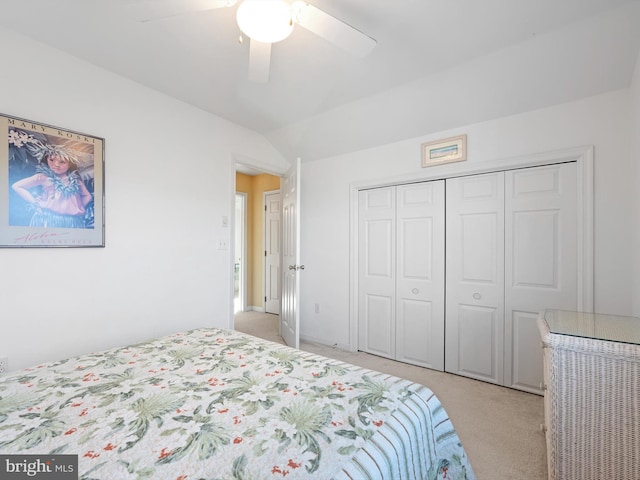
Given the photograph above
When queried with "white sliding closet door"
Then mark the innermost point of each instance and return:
(541, 262)
(377, 272)
(401, 273)
(475, 277)
(420, 274)
(511, 253)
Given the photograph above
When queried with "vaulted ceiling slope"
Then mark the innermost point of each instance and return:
(437, 64)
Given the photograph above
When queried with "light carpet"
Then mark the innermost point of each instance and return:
(499, 427)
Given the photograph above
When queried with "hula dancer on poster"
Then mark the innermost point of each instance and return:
(56, 193)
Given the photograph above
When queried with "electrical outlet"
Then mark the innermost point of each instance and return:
(4, 364)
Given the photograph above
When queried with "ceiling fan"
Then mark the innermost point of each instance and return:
(265, 22)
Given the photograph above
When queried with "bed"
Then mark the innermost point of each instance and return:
(218, 404)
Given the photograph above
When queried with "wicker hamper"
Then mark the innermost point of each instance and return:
(592, 407)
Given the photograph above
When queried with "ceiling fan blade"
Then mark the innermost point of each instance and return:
(259, 61)
(148, 10)
(333, 30)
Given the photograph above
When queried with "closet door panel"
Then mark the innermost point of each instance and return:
(420, 274)
(523, 367)
(377, 277)
(415, 333)
(478, 243)
(477, 326)
(378, 333)
(541, 262)
(475, 276)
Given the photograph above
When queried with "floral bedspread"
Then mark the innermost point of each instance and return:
(218, 404)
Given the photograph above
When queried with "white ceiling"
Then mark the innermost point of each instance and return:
(438, 64)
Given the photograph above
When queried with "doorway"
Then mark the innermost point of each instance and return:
(252, 241)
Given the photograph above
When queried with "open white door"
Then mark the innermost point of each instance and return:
(272, 247)
(290, 310)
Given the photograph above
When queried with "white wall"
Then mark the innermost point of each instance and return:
(635, 156)
(547, 69)
(168, 185)
(602, 121)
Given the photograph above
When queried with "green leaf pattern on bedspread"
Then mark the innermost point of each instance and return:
(206, 404)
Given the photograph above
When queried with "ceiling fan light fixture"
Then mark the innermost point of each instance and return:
(267, 21)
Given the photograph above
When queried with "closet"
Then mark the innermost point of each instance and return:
(508, 244)
(401, 273)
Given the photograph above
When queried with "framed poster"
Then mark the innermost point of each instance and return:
(452, 149)
(51, 186)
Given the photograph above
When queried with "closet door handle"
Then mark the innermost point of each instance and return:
(477, 296)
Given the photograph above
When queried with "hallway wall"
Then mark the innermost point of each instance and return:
(255, 186)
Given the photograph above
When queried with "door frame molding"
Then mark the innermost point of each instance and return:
(584, 158)
(243, 266)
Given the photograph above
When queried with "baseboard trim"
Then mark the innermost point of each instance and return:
(324, 342)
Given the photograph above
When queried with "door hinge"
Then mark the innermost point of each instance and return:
(265, 299)
(265, 208)
(265, 253)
